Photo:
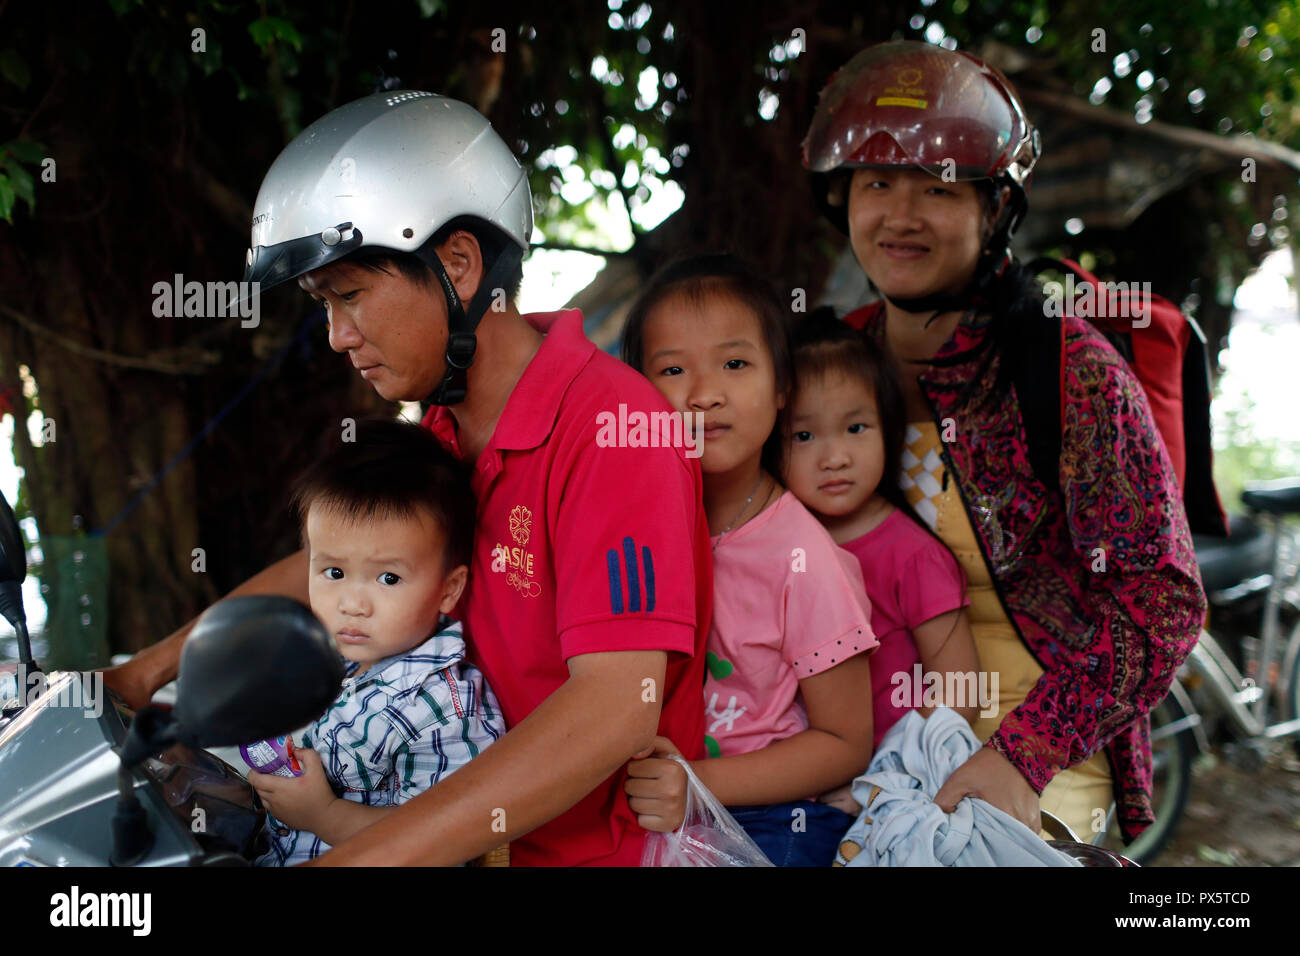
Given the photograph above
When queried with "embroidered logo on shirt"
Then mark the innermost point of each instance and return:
(517, 562)
(521, 525)
(633, 576)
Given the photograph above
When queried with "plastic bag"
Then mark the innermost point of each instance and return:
(708, 836)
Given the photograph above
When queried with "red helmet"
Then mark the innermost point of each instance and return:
(915, 104)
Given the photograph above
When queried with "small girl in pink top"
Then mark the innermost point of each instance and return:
(788, 715)
(844, 446)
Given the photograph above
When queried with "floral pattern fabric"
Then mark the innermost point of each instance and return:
(1099, 578)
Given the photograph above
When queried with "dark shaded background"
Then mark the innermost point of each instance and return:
(159, 149)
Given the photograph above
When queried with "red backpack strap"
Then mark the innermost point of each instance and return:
(1167, 356)
(1154, 352)
(862, 317)
(1079, 271)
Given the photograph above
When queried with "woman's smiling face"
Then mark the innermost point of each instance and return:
(914, 234)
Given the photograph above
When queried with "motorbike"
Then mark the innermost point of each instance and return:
(84, 785)
(85, 781)
(1239, 689)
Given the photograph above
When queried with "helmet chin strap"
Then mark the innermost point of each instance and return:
(461, 323)
(938, 303)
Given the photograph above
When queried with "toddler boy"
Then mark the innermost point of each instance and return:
(388, 524)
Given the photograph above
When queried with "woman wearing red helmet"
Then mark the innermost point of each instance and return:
(1084, 600)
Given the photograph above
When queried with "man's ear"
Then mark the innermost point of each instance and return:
(463, 260)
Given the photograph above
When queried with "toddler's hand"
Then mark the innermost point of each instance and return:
(656, 787)
(298, 802)
(841, 798)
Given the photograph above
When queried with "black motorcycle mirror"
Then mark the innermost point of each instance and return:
(13, 571)
(252, 667)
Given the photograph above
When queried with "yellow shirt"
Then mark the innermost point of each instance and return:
(1075, 795)
(999, 647)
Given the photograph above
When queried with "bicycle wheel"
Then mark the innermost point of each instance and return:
(1291, 698)
(1172, 752)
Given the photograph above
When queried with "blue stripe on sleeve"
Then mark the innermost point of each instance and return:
(649, 579)
(633, 578)
(615, 585)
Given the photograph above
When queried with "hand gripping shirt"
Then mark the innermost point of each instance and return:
(395, 731)
(590, 538)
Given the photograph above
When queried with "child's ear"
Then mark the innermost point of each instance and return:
(452, 586)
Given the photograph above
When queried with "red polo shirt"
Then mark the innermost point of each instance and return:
(581, 549)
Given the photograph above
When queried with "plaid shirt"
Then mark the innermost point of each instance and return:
(395, 731)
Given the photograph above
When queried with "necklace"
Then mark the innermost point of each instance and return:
(748, 502)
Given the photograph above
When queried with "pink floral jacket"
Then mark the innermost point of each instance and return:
(1100, 578)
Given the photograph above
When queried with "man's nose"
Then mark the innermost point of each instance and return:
(343, 334)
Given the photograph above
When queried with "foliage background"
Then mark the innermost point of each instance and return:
(159, 144)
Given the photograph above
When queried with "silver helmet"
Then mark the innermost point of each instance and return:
(387, 170)
(390, 170)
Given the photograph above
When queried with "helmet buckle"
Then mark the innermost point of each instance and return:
(460, 349)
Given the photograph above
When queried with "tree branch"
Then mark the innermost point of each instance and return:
(162, 361)
(232, 207)
(565, 247)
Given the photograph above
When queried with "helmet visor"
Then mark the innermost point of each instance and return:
(269, 266)
(914, 104)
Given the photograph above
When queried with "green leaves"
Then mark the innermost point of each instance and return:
(267, 30)
(24, 150)
(22, 183)
(14, 69)
(6, 198)
(15, 181)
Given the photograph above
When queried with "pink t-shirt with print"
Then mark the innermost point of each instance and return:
(911, 578)
(788, 603)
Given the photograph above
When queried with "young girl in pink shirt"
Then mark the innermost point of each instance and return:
(844, 447)
(787, 713)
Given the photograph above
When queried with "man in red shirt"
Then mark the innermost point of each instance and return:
(589, 592)
(582, 552)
